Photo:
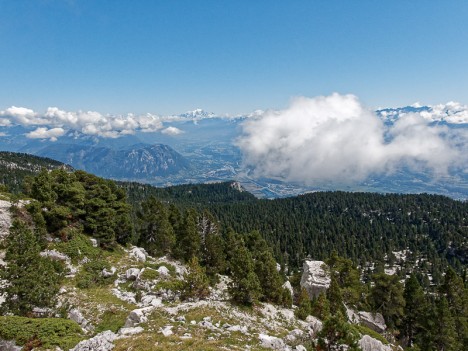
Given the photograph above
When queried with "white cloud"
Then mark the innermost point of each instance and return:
(2, 134)
(336, 138)
(172, 131)
(44, 133)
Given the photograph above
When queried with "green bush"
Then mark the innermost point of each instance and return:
(367, 331)
(112, 320)
(50, 332)
(149, 274)
(90, 275)
(78, 247)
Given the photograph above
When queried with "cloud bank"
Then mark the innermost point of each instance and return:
(336, 138)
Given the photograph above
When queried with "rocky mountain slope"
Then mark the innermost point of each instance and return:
(139, 307)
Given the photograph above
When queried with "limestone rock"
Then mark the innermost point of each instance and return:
(106, 274)
(102, 342)
(314, 278)
(368, 343)
(139, 254)
(374, 321)
(9, 346)
(294, 335)
(315, 325)
(126, 332)
(94, 242)
(5, 219)
(132, 273)
(353, 317)
(167, 330)
(150, 300)
(300, 348)
(163, 271)
(272, 342)
(137, 316)
(75, 315)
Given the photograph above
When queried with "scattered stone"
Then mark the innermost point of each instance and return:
(237, 328)
(94, 242)
(294, 335)
(368, 343)
(167, 330)
(314, 278)
(102, 342)
(132, 273)
(9, 346)
(186, 336)
(106, 274)
(300, 348)
(180, 319)
(55, 255)
(193, 322)
(315, 325)
(126, 332)
(272, 342)
(374, 321)
(163, 271)
(137, 316)
(127, 296)
(139, 254)
(75, 315)
(150, 300)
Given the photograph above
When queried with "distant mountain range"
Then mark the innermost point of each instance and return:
(200, 147)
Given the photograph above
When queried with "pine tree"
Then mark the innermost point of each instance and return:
(155, 232)
(269, 277)
(335, 298)
(336, 331)
(386, 296)
(212, 244)
(32, 279)
(187, 238)
(414, 308)
(196, 284)
(446, 337)
(321, 307)
(244, 287)
(303, 305)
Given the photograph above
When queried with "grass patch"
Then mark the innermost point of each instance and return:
(149, 274)
(112, 320)
(46, 332)
(155, 266)
(78, 247)
(367, 331)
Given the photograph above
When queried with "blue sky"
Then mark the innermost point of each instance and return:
(232, 57)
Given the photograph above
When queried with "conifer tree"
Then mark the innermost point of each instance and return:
(446, 337)
(386, 296)
(155, 232)
(269, 277)
(196, 284)
(212, 244)
(303, 305)
(335, 298)
(187, 237)
(321, 307)
(32, 279)
(414, 308)
(245, 287)
(335, 332)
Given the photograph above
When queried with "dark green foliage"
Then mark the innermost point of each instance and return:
(304, 307)
(321, 307)
(335, 298)
(414, 307)
(212, 244)
(196, 284)
(348, 278)
(33, 280)
(335, 332)
(269, 277)
(386, 297)
(446, 337)
(155, 232)
(90, 275)
(187, 237)
(245, 287)
(51, 332)
(70, 199)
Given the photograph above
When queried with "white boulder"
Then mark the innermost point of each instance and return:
(9, 346)
(108, 273)
(315, 325)
(132, 273)
(139, 254)
(272, 342)
(374, 321)
(368, 343)
(126, 332)
(167, 330)
(288, 287)
(315, 279)
(102, 342)
(163, 271)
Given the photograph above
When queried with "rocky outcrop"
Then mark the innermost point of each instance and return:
(288, 287)
(103, 342)
(315, 279)
(374, 321)
(139, 254)
(368, 343)
(272, 342)
(75, 315)
(5, 219)
(132, 274)
(9, 346)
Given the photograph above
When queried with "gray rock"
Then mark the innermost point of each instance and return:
(106, 274)
(93, 242)
(163, 271)
(137, 316)
(272, 342)
(315, 279)
(132, 273)
(353, 317)
(315, 325)
(139, 254)
(300, 348)
(103, 342)
(294, 335)
(368, 343)
(167, 330)
(374, 321)
(9, 346)
(150, 300)
(126, 332)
